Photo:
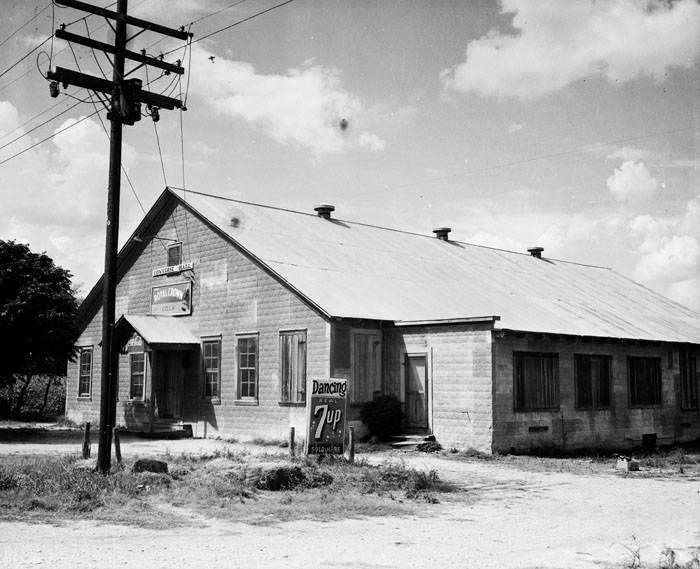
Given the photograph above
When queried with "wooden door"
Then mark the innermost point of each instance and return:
(416, 392)
(170, 392)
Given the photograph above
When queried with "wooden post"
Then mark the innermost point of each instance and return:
(117, 446)
(351, 444)
(86, 441)
(291, 443)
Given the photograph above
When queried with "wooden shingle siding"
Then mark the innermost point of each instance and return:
(616, 425)
(231, 294)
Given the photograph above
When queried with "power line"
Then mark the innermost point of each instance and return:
(104, 128)
(237, 23)
(243, 20)
(47, 138)
(40, 125)
(232, 5)
(25, 56)
(160, 153)
(585, 148)
(29, 21)
(36, 116)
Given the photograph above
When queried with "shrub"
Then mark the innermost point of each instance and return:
(383, 416)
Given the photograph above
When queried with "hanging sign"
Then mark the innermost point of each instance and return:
(173, 299)
(325, 433)
(173, 269)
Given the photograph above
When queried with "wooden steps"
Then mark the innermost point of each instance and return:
(410, 441)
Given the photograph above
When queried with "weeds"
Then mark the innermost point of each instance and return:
(224, 483)
(667, 560)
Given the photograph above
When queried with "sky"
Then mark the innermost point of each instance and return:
(574, 126)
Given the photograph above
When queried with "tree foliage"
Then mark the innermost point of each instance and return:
(38, 314)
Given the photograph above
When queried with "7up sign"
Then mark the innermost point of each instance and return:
(325, 432)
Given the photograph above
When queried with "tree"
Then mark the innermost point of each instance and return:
(38, 317)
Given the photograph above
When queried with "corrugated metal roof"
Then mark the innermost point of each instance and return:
(160, 329)
(355, 270)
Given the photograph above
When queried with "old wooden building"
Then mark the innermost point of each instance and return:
(226, 307)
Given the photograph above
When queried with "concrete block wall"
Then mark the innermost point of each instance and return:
(459, 372)
(619, 426)
(231, 294)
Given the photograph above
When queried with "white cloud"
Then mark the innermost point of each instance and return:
(668, 253)
(558, 43)
(54, 196)
(371, 142)
(626, 153)
(686, 293)
(514, 127)
(632, 182)
(676, 256)
(306, 106)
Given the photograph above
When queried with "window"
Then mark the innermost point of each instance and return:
(366, 367)
(174, 254)
(592, 379)
(293, 367)
(536, 381)
(137, 364)
(248, 367)
(689, 380)
(85, 372)
(212, 368)
(644, 380)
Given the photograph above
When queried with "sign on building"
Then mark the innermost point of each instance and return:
(174, 299)
(325, 432)
(173, 269)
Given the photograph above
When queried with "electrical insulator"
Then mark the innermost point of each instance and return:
(53, 89)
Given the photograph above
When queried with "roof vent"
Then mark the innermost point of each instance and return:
(324, 210)
(536, 252)
(442, 232)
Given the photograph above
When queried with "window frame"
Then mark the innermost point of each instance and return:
(659, 387)
(85, 350)
(171, 247)
(132, 355)
(595, 405)
(517, 365)
(255, 368)
(214, 340)
(688, 377)
(301, 387)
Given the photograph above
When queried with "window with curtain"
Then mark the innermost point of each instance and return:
(536, 381)
(592, 381)
(689, 380)
(644, 376)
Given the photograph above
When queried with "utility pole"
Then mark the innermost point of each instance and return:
(125, 108)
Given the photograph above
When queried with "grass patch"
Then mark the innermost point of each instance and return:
(226, 483)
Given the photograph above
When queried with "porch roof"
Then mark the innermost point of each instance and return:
(159, 329)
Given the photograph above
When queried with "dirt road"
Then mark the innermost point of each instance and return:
(510, 519)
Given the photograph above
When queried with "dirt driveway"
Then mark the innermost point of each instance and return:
(508, 518)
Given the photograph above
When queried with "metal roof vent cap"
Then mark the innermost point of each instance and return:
(324, 210)
(536, 252)
(442, 232)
